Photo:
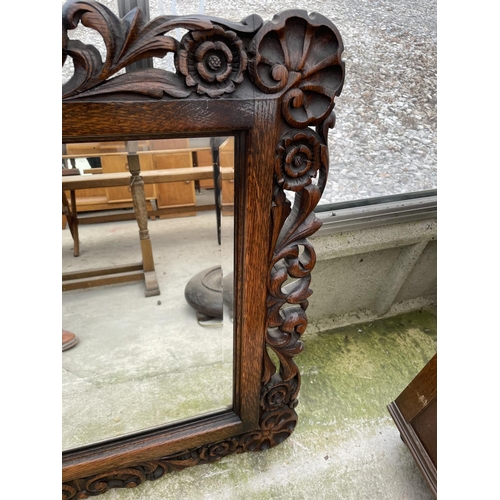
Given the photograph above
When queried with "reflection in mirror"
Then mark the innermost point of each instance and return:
(147, 258)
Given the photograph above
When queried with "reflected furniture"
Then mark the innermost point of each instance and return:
(69, 211)
(167, 178)
(270, 85)
(144, 270)
(153, 155)
(414, 412)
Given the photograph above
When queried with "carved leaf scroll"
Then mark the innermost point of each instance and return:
(132, 38)
(276, 426)
(127, 40)
(299, 56)
(301, 157)
(296, 54)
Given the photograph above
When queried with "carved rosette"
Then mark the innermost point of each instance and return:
(299, 157)
(212, 61)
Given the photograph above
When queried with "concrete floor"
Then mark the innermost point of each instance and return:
(345, 445)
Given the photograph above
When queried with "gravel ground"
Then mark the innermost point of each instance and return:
(385, 138)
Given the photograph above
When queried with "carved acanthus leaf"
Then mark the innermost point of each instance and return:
(131, 39)
(301, 166)
(151, 82)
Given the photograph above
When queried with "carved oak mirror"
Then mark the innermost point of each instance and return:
(241, 121)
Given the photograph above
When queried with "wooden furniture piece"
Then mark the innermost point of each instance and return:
(157, 154)
(226, 159)
(155, 177)
(271, 85)
(69, 211)
(96, 198)
(168, 177)
(222, 159)
(415, 414)
(144, 270)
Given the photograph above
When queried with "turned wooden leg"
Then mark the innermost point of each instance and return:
(141, 214)
(72, 218)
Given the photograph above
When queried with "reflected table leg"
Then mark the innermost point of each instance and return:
(72, 218)
(141, 214)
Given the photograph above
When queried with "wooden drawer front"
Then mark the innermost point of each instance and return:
(174, 194)
(120, 194)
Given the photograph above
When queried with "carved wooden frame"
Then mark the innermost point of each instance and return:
(267, 83)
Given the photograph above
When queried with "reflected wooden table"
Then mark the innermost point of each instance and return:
(144, 270)
(136, 181)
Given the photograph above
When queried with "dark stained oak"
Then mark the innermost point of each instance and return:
(414, 412)
(272, 86)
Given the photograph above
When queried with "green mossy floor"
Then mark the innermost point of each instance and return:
(345, 446)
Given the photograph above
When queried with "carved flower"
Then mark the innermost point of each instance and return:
(299, 54)
(298, 159)
(218, 451)
(275, 427)
(277, 396)
(212, 60)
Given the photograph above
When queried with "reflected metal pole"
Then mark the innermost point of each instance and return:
(124, 7)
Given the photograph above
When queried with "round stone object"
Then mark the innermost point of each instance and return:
(204, 292)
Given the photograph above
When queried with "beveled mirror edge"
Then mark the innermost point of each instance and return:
(280, 100)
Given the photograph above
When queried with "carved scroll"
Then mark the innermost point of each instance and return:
(210, 58)
(274, 428)
(298, 56)
(301, 158)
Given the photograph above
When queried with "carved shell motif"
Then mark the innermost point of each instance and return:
(299, 54)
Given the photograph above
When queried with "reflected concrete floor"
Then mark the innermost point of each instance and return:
(142, 361)
(345, 446)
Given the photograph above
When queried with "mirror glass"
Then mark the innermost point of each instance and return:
(147, 284)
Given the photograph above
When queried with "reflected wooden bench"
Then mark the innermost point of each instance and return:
(136, 180)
